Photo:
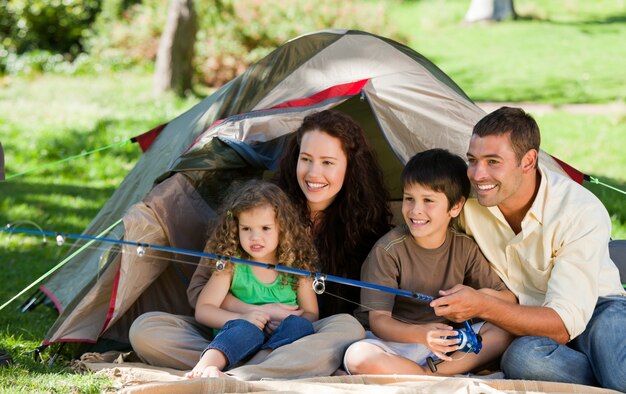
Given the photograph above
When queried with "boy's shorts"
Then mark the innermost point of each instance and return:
(415, 352)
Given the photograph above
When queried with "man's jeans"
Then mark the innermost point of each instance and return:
(597, 357)
(239, 339)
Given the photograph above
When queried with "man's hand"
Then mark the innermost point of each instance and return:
(257, 318)
(279, 312)
(458, 304)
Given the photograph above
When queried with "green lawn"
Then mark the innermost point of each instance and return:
(564, 54)
(43, 120)
(559, 52)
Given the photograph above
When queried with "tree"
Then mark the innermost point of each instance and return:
(174, 62)
(489, 10)
(1, 163)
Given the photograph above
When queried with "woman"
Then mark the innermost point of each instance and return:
(330, 172)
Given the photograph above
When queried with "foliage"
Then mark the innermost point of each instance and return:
(238, 33)
(232, 34)
(130, 39)
(52, 25)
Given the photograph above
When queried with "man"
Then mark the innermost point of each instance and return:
(547, 237)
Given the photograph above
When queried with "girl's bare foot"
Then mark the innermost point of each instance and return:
(208, 372)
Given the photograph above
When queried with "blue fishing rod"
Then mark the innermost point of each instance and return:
(469, 341)
(319, 279)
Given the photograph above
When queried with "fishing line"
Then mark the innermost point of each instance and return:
(44, 241)
(143, 248)
(96, 248)
(318, 277)
(368, 309)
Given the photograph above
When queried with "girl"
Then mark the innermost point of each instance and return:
(257, 222)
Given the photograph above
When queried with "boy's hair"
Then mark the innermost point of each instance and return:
(439, 170)
(522, 128)
(295, 247)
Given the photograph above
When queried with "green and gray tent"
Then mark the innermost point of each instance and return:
(403, 101)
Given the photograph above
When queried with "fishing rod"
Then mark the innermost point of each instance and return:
(319, 278)
(468, 340)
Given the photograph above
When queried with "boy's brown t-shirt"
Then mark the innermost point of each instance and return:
(397, 261)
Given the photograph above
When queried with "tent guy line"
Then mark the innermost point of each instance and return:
(586, 177)
(318, 282)
(70, 158)
(56, 267)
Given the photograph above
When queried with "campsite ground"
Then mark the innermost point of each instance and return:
(568, 55)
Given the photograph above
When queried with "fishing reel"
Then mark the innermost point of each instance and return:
(469, 342)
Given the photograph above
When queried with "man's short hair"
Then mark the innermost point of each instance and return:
(522, 128)
(439, 170)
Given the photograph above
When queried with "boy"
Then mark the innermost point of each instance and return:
(425, 255)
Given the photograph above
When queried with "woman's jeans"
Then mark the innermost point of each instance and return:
(239, 339)
(597, 357)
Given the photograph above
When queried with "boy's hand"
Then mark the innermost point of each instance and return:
(438, 342)
(278, 312)
(257, 318)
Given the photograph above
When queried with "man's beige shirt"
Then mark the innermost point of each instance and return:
(560, 259)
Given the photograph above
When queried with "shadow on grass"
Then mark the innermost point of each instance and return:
(74, 141)
(612, 19)
(62, 144)
(33, 202)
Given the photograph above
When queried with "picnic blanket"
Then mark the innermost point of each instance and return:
(131, 376)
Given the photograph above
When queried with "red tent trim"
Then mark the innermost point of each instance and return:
(346, 89)
(116, 282)
(50, 295)
(146, 139)
(571, 171)
(106, 321)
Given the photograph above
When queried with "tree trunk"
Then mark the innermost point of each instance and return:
(174, 67)
(1, 163)
(489, 10)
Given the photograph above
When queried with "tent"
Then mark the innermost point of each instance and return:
(402, 100)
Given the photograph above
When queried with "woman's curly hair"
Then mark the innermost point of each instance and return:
(295, 247)
(358, 216)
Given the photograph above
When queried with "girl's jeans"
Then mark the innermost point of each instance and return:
(239, 339)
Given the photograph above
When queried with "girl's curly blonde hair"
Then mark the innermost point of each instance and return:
(295, 246)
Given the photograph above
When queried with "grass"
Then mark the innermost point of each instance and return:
(47, 118)
(594, 145)
(568, 51)
(43, 120)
